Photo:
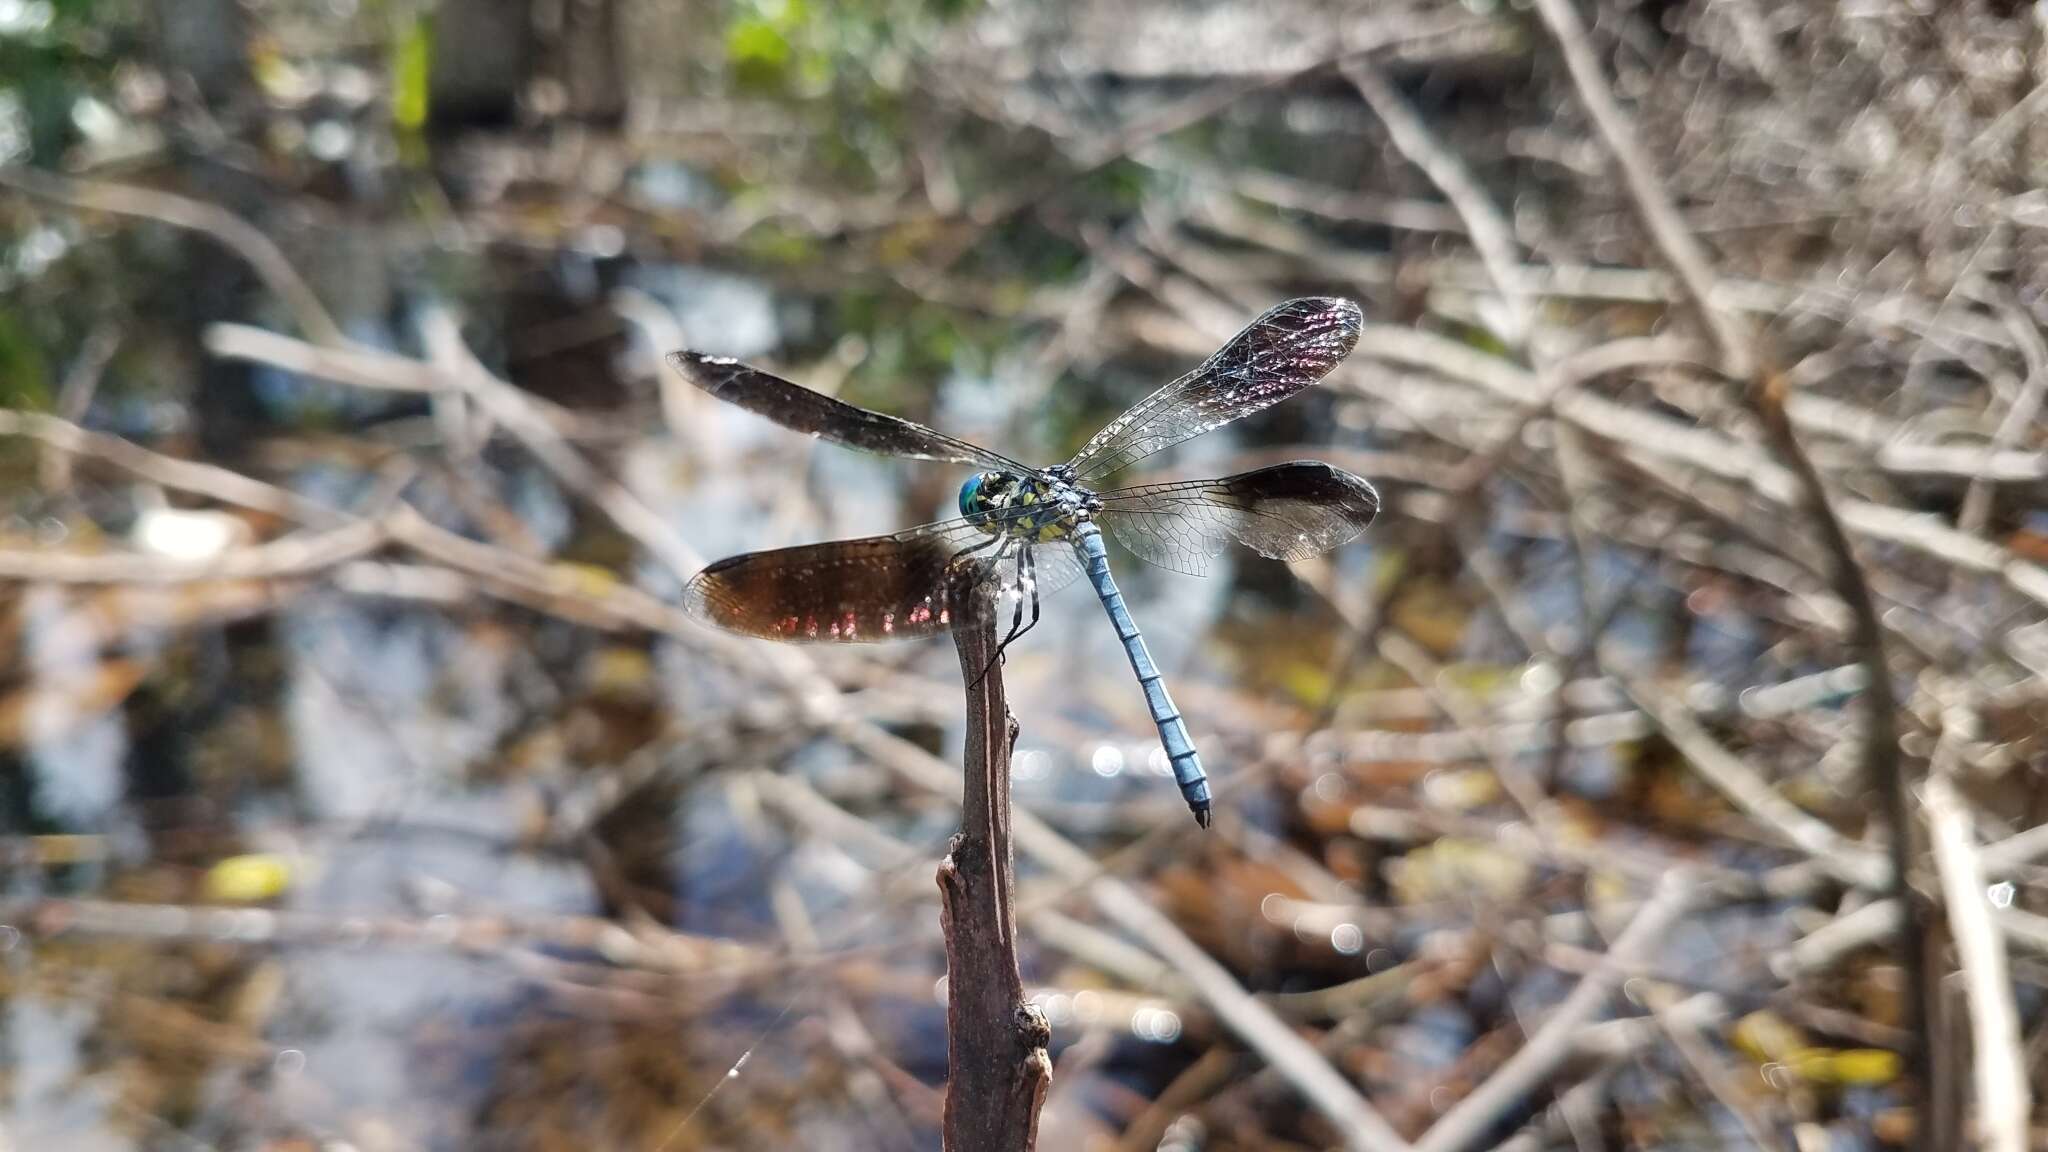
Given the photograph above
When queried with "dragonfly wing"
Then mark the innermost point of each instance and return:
(875, 588)
(1051, 567)
(1288, 512)
(797, 407)
(1278, 355)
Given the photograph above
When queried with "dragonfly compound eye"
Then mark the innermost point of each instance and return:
(986, 492)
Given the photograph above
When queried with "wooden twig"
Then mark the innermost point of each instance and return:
(1538, 1060)
(1882, 767)
(1292, 1057)
(998, 1069)
(644, 947)
(237, 234)
(2004, 1102)
(299, 554)
(1746, 788)
(1674, 240)
(208, 480)
(1491, 235)
(1709, 451)
(1976, 510)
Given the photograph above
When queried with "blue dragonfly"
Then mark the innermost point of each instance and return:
(1027, 532)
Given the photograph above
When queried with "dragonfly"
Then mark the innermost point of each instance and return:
(1025, 532)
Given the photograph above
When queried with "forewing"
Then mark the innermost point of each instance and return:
(894, 587)
(797, 407)
(1288, 512)
(1281, 353)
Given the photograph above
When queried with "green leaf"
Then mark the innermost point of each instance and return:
(412, 62)
(758, 51)
(24, 372)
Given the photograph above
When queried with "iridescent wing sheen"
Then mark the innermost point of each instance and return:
(1279, 354)
(1288, 512)
(894, 587)
(796, 407)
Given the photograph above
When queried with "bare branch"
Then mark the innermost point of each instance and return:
(2004, 1102)
(1546, 1050)
(288, 556)
(995, 1039)
(237, 234)
(1687, 259)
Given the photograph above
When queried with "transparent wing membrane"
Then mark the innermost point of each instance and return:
(1278, 355)
(1288, 512)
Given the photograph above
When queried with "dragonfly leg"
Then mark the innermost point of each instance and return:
(1016, 616)
(1027, 570)
(1029, 562)
(1027, 578)
(996, 542)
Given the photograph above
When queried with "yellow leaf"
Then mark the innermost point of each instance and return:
(1768, 1038)
(1846, 1066)
(248, 879)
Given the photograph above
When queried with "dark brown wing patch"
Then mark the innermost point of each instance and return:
(846, 591)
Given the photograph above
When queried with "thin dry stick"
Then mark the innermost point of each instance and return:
(205, 479)
(1710, 1067)
(2025, 929)
(1826, 945)
(2003, 1100)
(237, 234)
(1476, 1115)
(1976, 509)
(1844, 934)
(359, 367)
(1735, 779)
(74, 398)
(1883, 771)
(1700, 448)
(1687, 259)
(1584, 1097)
(299, 554)
(1294, 1058)
(995, 1040)
(647, 947)
(1489, 230)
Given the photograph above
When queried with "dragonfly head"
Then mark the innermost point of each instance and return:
(985, 492)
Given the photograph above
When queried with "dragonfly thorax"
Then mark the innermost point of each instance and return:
(1034, 508)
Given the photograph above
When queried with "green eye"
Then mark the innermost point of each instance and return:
(970, 495)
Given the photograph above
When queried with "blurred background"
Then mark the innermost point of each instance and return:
(362, 788)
